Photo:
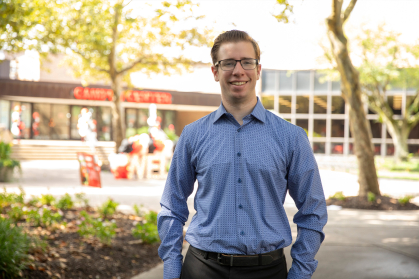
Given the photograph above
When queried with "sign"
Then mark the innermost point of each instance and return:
(89, 170)
(96, 94)
(147, 97)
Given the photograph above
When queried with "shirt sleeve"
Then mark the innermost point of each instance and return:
(306, 189)
(174, 213)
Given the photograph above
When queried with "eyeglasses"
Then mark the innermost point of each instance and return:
(230, 64)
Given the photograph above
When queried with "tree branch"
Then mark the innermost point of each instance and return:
(132, 65)
(89, 61)
(413, 106)
(348, 10)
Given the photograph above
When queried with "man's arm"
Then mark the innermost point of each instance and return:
(305, 188)
(174, 213)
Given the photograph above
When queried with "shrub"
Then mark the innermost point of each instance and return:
(147, 229)
(138, 210)
(371, 197)
(81, 199)
(66, 202)
(103, 231)
(7, 164)
(406, 199)
(338, 196)
(108, 208)
(14, 247)
(47, 199)
(7, 199)
(16, 212)
(34, 201)
(44, 217)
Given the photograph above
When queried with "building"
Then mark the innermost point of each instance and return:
(304, 99)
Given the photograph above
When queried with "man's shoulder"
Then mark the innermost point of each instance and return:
(280, 124)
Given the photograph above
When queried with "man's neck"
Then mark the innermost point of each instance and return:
(240, 110)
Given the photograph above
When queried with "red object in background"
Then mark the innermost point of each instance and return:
(136, 148)
(147, 97)
(159, 145)
(120, 172)
(89, 170)
(97, 94)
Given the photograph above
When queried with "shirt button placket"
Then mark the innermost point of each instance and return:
(239, 180)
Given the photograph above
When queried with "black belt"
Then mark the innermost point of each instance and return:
(241, 260)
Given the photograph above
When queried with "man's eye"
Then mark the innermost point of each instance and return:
(228, 63)
(248, 62)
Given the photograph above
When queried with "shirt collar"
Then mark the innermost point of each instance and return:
(258, 112)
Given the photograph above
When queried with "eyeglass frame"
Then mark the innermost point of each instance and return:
(218, 64)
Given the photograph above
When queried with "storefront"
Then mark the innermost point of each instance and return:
(50, 111)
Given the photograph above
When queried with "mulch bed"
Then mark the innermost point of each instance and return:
(70, 256)
(381, 203)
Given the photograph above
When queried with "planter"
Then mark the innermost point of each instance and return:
(6, 174)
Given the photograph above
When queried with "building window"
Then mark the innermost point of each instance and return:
(414, 149)
(104, 124)
(414, 133)
(376, 129)
(336, 148)
(319, 128)
(20, 124)
(41, 121)
(4, 114)
(336, 86)
(395, 102)
(59, 122)
(268, 102)
(268, 81)
(285, 80)
(338, 105)
(338, 128)
(390, 150)
(320, 104)
(320, 84)
(303, 123)
(303, 104)
(169, 119)
(284, 104)
(130, 122)
(319, 147)
(377, 149)
(303, 80)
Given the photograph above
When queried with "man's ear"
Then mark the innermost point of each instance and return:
(215, 73)
(259, 69)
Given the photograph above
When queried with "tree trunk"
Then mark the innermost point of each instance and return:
(367, 177)
(399, 134)
(117, 121)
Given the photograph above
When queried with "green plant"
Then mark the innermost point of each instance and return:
(103, 231)
(405, 200)
(47, 199)
(7, 164)
(44, 217)
(371, 197)
(142, 130)
(138, 209)
(34, 201)
(338, 196)
(147, 229)
(7, 199)
(66, 202)
(14, 248)
(108, 208)
(171, 134)
(16, 212)
(81, 199)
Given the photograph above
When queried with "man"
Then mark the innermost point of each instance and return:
(245, 159)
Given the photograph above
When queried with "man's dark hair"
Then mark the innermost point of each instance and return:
(232, 36)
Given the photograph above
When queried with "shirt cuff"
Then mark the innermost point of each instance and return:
(172, 269)
(292, 274)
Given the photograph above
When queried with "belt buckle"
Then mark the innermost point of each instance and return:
(219, 258)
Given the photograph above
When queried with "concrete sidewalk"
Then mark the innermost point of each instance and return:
(359, 244)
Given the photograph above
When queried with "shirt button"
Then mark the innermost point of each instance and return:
(238, 130)
(239, 154)
(240, 180)
(240, 206)
(242, 233)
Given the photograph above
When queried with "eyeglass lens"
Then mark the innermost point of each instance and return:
(247, 64)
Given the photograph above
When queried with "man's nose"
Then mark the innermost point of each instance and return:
(238, 69)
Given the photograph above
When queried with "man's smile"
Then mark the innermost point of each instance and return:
(238, 82)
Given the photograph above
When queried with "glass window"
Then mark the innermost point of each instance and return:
(268, 80)
(284, 104)
(130, 122)
(20, 125)
(303, 123)
(104, 124)
(285, 80)
(268, 102)
(319, 128)
(390, 150)
(336, 86)
(336, 148)
(75, 115)
(338, 105)
(351, 148)
(41, 117)
(303, 80)
(319, 147)
(414, 149)
(303, 104)
(169, 118)
(376, 129)
(60, 122)
(338, 128)
(320, 84)
(320, 104)
(377, 149)
(4, 113)
(414, 133)
(395, 103)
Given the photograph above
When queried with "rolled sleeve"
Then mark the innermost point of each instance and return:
(174, 213)
(304, 185)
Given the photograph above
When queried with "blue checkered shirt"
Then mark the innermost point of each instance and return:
(243, 173)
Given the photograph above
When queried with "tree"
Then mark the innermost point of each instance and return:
(352, 93)
(387, 63)
(109, 39)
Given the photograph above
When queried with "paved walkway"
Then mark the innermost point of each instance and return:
(359, 244)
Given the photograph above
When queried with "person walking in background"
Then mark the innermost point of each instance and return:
(245, 159)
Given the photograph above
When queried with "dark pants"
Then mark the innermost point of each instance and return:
(196, 266)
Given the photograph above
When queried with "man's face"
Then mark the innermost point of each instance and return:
(237, 85)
